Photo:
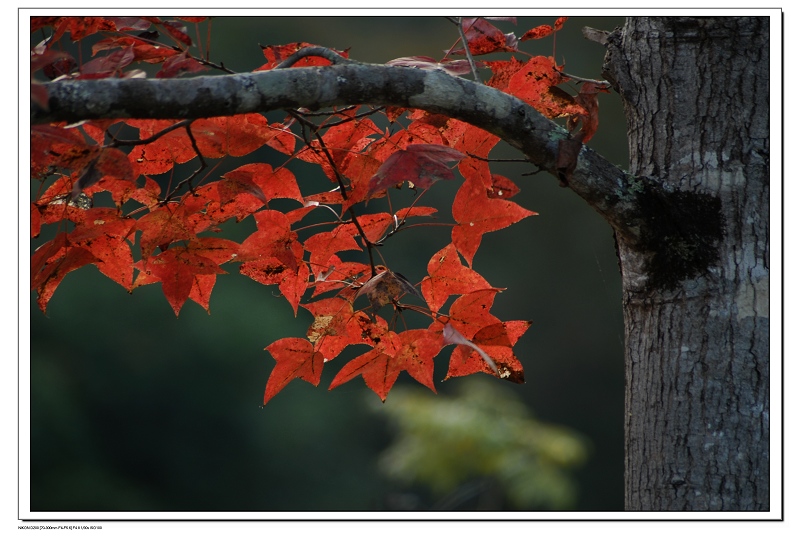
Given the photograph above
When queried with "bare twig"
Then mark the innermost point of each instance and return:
(467, 52)
(321, 52)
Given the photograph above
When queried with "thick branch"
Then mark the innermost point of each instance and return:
(605, 187)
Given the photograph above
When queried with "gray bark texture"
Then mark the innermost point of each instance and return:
(691, 219)
(696, 284)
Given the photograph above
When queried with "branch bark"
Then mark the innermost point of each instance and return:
(605, 187)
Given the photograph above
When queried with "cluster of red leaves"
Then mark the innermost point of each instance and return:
(170, 226)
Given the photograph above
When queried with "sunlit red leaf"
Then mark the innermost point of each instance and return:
(476, 214)
(537, 33)
(447, 276)
(502, 188)
(180, 269)
(496, 341)
(162, 226)
(378, 366)
(295, 358)
(51, 263)
(175, 66)
(104, 234)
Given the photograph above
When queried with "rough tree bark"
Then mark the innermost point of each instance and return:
(691, 221)
(696, 286)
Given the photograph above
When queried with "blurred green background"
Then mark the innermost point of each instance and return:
(135, 410)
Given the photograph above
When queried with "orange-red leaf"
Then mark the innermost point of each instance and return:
(447, 276)
(295, 358)
(476, 214)
(378, 366)
(497, 341)
(180, 270)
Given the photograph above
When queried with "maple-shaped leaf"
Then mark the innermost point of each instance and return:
(323, 246)
(420, 164)
(273, 238)
(236, 135)
(164, 225)
(295, 358)
(476, 214)
(490, 351)
(411, 350)
(378, 366)
(265, 182)
(55, 147)
(447, 276)
(109, 65)
(535, 83)
(337, 326)
(484, 38)
(162, 154)
(55, 260)
(109, 163)
(180, 270)
(143, 50)
(104, 234)
(175, 66)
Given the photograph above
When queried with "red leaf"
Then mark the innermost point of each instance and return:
(412, 351)
(54, 261)
(535, 83)
(142, 50)
(110, 65)
(476, 214)
(323, 246)
(495, 340)
(537, 33)
(420, 164)
(180, 270)
(162, 154)
(104, 234)
(484, 38)
(378, 366)
(502, 188)
(295, 358)
(337, 326)
(266, 183)
(175, 66)
(447, 276)
(560, 22)
(163, 226)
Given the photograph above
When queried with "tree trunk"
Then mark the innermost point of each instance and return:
(696, 279)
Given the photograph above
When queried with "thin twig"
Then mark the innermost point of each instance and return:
(321, 52)
(467, 51)
(203, 165)
(367, 242)
(117, 143)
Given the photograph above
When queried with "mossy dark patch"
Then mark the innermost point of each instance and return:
(681, 232)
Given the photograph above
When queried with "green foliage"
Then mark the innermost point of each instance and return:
(483, 431)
